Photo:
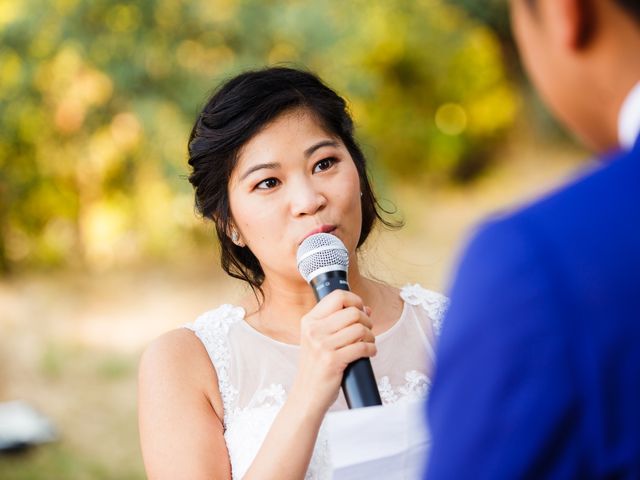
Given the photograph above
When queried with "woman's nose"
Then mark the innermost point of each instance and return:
(306, 200)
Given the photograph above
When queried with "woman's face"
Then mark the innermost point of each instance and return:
(293, 179)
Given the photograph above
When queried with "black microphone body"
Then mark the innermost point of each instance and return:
(358, 382)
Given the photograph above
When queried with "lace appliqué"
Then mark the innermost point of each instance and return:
(273, 395)
(320, 464)
(246, 430)
(435, 304)
(248, 427)
(416, 387)
(212, 328)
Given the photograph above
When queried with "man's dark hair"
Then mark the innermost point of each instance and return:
(631, 6)
(235, 113)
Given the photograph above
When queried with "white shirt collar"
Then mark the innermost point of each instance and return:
(629, 119)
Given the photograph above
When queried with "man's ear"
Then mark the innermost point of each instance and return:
(574, 23)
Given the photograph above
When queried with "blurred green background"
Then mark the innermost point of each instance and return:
(100, 248)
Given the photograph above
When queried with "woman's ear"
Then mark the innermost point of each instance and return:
(229, 230)
(235, 236)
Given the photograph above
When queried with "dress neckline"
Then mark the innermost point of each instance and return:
(381, 336)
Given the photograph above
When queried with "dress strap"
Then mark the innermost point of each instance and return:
(212, 328)
(435, 304)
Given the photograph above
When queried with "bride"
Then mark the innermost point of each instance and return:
(242, 391)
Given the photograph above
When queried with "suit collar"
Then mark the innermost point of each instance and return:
(636, 146)
(629, 119)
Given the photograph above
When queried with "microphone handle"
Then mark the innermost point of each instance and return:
(358, 382)
(359, 385)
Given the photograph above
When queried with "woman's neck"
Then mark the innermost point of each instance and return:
(285, 303)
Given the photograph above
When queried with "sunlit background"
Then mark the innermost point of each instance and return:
(100, 248)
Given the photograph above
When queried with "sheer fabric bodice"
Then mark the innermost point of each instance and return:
(255, 372)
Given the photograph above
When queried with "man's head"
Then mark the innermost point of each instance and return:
(582, 55)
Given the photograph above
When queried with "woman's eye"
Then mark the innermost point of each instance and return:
(324, 164)
(268, 183)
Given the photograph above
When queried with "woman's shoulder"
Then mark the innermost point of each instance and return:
(177, 353)
(173, 350)
(434, 304)
(177, 361)
(181, 345)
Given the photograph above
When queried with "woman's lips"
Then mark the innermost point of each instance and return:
(320, 229)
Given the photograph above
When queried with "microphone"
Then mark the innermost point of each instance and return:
(323, 262)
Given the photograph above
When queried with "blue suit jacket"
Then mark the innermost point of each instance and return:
(538, 366)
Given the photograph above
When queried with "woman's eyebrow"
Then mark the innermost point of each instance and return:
(307, 153)
(259, 166)
(324, 143)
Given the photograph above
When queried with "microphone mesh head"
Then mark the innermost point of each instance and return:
(319, 253)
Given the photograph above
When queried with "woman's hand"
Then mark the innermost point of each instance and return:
(336, 332)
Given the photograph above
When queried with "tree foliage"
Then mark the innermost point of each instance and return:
(97, 98)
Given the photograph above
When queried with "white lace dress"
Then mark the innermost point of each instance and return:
(255, 372)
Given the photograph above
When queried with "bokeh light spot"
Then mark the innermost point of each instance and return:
(123, 18)
(451, 119)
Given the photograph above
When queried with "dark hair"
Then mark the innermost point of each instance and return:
(631, 6)
(236, 112)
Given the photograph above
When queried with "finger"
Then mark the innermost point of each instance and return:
(343, 318)
(351, 334)
(354, 351)
(320, 330)
(336, 300)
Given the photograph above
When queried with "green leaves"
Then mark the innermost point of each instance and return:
(97, 99)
